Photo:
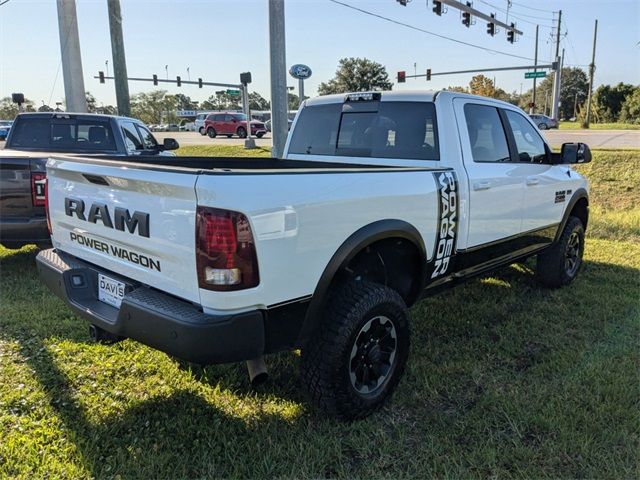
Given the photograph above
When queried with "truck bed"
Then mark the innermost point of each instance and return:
(213, 165)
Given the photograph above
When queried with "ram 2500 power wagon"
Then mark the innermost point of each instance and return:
(33, 137)
(380, 199)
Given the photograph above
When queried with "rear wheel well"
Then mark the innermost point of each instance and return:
(394, 262)
(581, 211)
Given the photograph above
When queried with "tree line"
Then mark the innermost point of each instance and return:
(618, 103)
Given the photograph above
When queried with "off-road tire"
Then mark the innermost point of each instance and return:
(554, 269)
(327, 360)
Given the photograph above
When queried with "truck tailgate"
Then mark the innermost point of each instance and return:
(138, 223)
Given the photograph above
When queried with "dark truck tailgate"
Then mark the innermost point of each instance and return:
(22, 210)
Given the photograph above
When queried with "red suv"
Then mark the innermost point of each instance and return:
(229, 124)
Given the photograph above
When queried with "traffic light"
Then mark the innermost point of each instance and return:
(245, 78)
(178, 81)
(101, 76)
(511, 35)
(466, 19)
(199, 83)
(428, 74)
(402, 76)
(155, 80)
(491, 27)
(437, 7)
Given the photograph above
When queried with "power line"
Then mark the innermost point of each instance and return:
(516, 16)
(412, 27)
(533, 8)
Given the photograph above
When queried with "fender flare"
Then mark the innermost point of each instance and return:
(353, 245)
(578, 195)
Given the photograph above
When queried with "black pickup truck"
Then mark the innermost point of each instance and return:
(33, 137)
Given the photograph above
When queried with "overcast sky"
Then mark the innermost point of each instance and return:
(218, 39)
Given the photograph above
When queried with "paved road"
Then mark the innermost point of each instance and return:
(594, 138)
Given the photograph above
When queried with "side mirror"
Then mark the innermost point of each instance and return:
(170, 144)
(573, 153)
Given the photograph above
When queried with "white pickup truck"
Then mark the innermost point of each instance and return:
(380, 199)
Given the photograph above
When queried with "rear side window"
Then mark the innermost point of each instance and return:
(63, 134)
(487, 138)
(405, 130)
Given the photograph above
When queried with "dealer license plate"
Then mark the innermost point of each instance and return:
(110, 291)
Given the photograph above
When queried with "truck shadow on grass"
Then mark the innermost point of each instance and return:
(487, 360)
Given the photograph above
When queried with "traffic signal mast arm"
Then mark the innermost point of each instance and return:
(430, 74)
(198, 82)
(477, 13)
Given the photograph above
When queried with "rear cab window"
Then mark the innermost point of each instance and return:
(62, 133)
(378, 129)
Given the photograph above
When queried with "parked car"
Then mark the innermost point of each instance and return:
(543, 122)
(199, 122)
(380, 199)
(188, 127)
(34, 137)
(232, 123)
(5, 126)
(173, 127)
(267, 124)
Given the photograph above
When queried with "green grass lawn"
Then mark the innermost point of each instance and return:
(600, 126)
(505, 379)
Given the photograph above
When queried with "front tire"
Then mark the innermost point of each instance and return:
(211, 132)
(259, 135)
(242, 133)
(201, 131)
(542, 126)
(359, 352)
(560, 264)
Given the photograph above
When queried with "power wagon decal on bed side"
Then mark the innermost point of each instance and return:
(445, 247)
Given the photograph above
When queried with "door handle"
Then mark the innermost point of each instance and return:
(486, 185)
(533, 181)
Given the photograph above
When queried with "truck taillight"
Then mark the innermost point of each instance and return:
(38, 180)
(225, 250)
(46, 205)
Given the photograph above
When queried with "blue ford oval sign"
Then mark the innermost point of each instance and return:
(300, 71)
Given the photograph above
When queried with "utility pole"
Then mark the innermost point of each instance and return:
(535, 62)
(74, 93)
(278, 66)
(119, 60)
(556, 79)
(592, 69)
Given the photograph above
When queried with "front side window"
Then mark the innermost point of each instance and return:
(529, 143)
(131, 137)
(148, 140)
(403, 130)
(487, 138)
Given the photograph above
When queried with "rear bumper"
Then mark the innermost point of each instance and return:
(21, 231)
(156, 319)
